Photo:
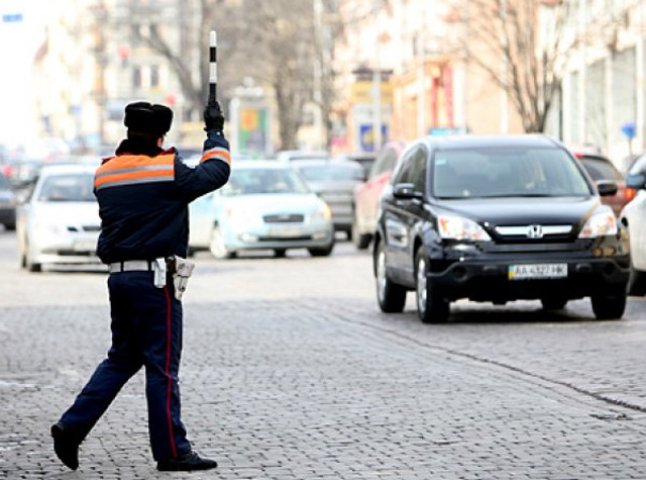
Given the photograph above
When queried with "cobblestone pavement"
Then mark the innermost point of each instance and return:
(290, 372)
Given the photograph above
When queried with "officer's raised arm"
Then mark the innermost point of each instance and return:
(215, 165)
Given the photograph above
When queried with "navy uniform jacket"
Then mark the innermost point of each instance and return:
(144, 193)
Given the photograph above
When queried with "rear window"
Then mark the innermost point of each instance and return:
(68, 188)
(600, 169)
(256, 181)
(506, 172)
(330, 173)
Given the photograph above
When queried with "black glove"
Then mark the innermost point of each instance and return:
(213, 118)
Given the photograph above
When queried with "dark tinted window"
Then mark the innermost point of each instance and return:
(506, 172)
(418, 169)
(384, 162)
(600, 169)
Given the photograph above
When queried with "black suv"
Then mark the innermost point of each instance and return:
(497, 219)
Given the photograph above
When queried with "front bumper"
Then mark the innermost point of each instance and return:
(593, 267)
(78, 249)
(313, 235)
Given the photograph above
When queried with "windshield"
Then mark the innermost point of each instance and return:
(68, 188)
(506, 172)
(253, 181)
(331, 173)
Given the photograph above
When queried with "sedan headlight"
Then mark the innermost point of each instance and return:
(600, 224)
(242, 217)
(322, 214)
(460, 228)
(46, 228)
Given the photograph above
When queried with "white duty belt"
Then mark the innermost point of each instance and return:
(157, 265)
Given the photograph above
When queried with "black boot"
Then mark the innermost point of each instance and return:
(66, 446)
(186, 463)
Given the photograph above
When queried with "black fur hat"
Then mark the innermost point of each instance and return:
(146, 118)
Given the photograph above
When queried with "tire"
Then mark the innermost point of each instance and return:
(430, 307)
(554, 303)
(25, 261)
(390, 296)
(280, 252)
(322, 251)
(360, 240)
(609, 306)
(217, 247)
(636, 282)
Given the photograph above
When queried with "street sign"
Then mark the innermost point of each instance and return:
(11, 17)
(629, 130)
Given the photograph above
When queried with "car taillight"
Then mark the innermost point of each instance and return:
(629, 193)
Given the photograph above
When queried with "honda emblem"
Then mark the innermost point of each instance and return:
(535, 231)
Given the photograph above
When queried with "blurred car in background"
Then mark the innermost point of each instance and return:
(497, 219)
(366, 159)
(59, 223)
(265, 205)
(366, 195)
(634, 216)
(334, 182)
(289, 155)
(7, 204)
(600, 168)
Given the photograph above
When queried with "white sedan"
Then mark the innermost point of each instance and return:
(634, 214)
(265, 206)
(59, 223)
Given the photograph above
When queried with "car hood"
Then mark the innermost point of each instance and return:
(67, 213)
(525, 211)
(275, 203)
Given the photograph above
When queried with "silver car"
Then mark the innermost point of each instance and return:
(265, 206)
(59, 223)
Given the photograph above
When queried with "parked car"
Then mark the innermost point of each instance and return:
(334, 182)
(289, 155)
(366, 195)
(497, 219)
(601, 168)
(634, 216)
(265, 205)
(7, 204)
(59, 223)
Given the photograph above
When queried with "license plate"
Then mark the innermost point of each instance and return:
(530, 272)
(85, 246)
(285, 232)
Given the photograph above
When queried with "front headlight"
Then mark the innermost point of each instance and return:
(460, 228)
(322, 214)
(242, 217)
(600, 224)
(46, 230)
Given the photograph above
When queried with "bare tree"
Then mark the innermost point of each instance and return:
(524, 47)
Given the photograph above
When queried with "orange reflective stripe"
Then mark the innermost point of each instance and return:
(146, 174)
(133, 161)
(217, 153)
(133, 169)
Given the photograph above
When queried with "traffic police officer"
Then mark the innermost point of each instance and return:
(143, 193)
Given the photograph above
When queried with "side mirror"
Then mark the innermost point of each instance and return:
(636, 181)
(406, 191)
(606, 188)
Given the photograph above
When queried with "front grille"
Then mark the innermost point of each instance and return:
(84, 228)
(284, 218)
(285, 239)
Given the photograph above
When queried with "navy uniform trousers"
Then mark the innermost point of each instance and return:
(146, 331)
